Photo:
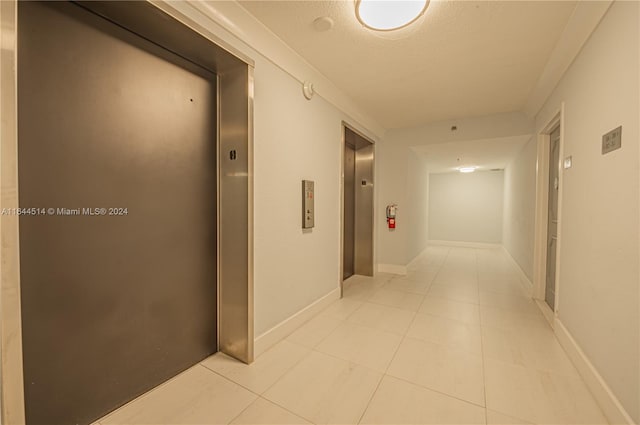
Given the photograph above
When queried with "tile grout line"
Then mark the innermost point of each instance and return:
(260, 395)
(436, 275)
(395, 353)
(373, 393)
(484, 375)
(395, 290)
(351, 362)
(319, 342)
(145, 394)
(414, 313)
(285, 408)
(422, 387)
(314, 349)
(229, 379)
(296, 363)
(364, 411)
(432, 389)
(242, 411)
(288, 370)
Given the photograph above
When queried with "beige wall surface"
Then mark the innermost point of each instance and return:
(293, 268)
(418, 205)
(519, 207)
(466, 207)
(599, 239)
(392, 179)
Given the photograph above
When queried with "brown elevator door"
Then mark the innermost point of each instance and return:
(116, 302)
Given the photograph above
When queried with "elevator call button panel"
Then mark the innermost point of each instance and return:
(307, 204)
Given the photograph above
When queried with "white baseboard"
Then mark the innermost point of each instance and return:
(283, 329)
(613, 410)
(523, 276)
(546, 312)
(416, 259)
(392, 268)
(465, 244)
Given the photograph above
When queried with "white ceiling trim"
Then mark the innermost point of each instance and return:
(244, 27)
(212, 31)
(584, 20)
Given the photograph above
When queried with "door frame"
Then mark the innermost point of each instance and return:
(344, 126)
(541, 213)
(235, 130)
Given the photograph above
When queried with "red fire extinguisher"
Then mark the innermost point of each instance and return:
(391, 215)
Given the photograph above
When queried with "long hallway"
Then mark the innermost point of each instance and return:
(456, 341)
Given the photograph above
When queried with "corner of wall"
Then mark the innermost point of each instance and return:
(584, 20)
(523, 276)
(611, 406)
(392, 268)
(279, 332)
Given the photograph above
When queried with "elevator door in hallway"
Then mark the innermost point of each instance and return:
(552, 220)
(116, 302)
(349, 211)
(357, 250)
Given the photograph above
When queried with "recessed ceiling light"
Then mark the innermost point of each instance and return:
(467, 169)
(389, 15)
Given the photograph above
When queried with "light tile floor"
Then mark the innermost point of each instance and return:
(456, 341)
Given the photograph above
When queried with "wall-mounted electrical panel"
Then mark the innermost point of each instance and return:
(308, 212)
(612, 140)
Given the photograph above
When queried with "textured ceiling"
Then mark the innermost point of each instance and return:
(462, 59)
(486, 154)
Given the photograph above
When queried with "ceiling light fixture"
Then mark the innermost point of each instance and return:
(389, 15)
(467, 169)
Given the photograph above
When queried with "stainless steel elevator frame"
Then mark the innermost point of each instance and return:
(156, 23)
(364, 201)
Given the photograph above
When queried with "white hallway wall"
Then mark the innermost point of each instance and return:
(418, 205)
(466, 207)
(293, 268)
(599, 241)
(398, 173)
(519, 207)
(392, 189)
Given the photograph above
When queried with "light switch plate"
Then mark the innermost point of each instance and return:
(612, 140)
